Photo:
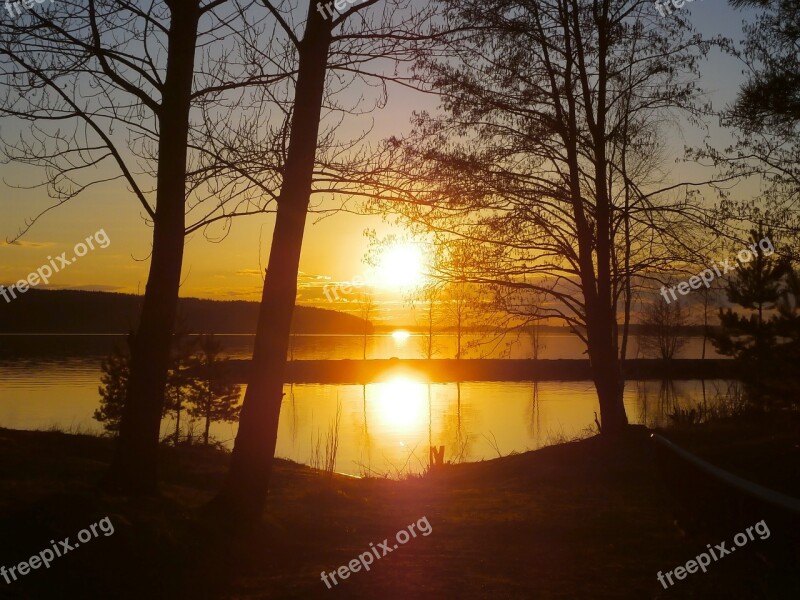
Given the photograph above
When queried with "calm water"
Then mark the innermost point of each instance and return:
(385, 428)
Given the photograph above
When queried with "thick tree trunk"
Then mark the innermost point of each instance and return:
(608, 381)
(607, 374)
(601, 318)
(245, 490)
(133, 468)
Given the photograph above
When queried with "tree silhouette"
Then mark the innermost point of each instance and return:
(770, 98)
(211, 396)
(545, 156)
(115, 371)
(765, 121)
(179, 377)
(352, 45)
(108, 89)
(753, 338)
(115, 375)
(662, 335)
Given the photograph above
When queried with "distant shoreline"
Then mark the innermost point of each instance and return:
(66, 312)
(451, 370)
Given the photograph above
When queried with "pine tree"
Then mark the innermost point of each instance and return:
(212, 397)
(754, 338)
(770, 98)
(179, 377)
(115, 372)
(787, 324)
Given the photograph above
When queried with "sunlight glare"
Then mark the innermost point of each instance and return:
(402, 404)
(401, 266)
(400, 336)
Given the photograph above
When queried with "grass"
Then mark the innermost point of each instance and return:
(584, 519)
(325, 461)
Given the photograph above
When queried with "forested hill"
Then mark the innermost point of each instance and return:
(73, 311)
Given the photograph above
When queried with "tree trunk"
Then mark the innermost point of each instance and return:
(430, 328)
(600, 305)
(365, 338)
(133, 468)
(245, 489)
(178, 419)
(705, 332)
(607, 377)
(208, 427)
(458, 339)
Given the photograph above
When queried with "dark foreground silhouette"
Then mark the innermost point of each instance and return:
(587, 519)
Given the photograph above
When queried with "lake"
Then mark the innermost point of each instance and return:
(385, 428)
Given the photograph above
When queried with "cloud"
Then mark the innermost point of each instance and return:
(27, 244)
(234, 294)
(86, 288)
(306, 280)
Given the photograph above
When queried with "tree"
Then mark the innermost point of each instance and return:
(765, 121)
(179, 377)
(709, 297)
(359, 44)
(366, 306)
(770, 98)
(115, 374)
(662, 333)
(452, 270)
(759, 288)
(429, 294)
(545, 155)
(535, 335)
(212, 397)
(79, 72)
(459, 303)
(787, 382)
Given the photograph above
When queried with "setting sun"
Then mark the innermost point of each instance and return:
(401, 266)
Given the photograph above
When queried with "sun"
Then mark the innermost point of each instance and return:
(401, 266)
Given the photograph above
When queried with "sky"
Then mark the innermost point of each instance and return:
(231, 268)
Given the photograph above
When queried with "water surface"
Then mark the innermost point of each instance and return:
(385, 428)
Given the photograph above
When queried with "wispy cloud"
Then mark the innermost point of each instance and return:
(26, 244)
(248, 272)
(94, 288)
(309, 280)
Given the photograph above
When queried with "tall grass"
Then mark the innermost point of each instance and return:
(324, 459)
(732, 403)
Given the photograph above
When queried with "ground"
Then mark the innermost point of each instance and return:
(586, 519)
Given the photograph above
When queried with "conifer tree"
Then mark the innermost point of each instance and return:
(115, 372)
(212, 397)
(754, 338)
(115, 375)
(179, 377)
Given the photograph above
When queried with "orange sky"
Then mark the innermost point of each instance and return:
(333, 247)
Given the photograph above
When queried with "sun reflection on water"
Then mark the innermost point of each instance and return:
(401, 404)
(400, 336)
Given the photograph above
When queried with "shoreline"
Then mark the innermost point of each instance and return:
(515, 370)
